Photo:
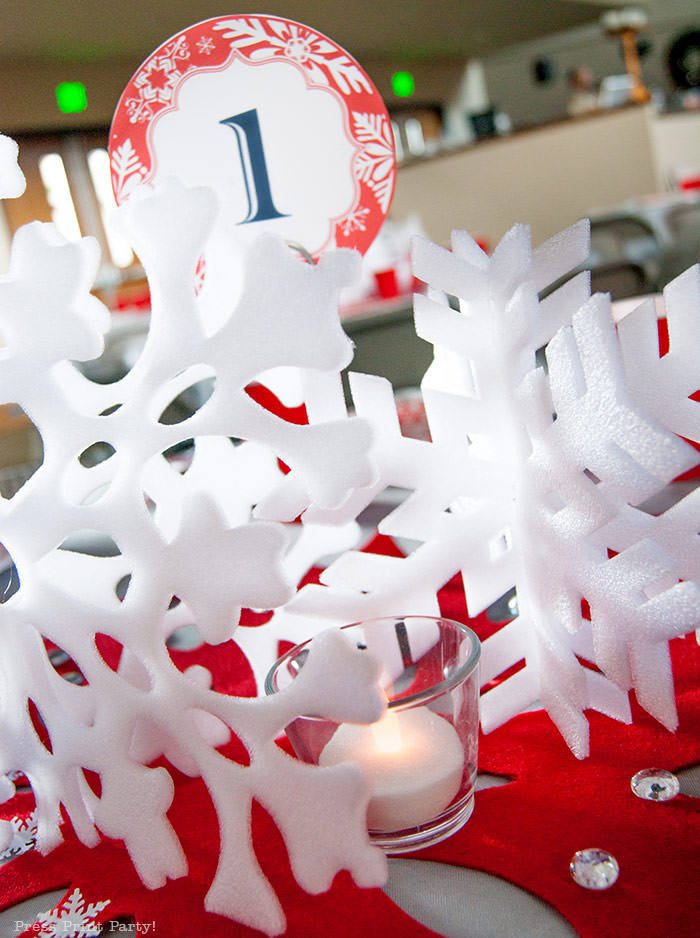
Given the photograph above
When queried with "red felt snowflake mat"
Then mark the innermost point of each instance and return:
(525, 832)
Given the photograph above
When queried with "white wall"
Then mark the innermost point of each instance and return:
(547, 177)
(676, 139)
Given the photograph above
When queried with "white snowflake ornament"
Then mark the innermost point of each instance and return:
(12, 181)
(589, 468)
(66, 272)
(182, 545)
(531, 480)
(534, 482)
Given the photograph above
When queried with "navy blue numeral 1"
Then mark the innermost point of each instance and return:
(246, 126)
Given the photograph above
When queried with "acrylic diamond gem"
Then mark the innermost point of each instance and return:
(655, 785)
(594, 868)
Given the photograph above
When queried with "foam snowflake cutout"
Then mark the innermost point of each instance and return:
(185, 545)
(535, 482)
(12, 182)
(505, 493)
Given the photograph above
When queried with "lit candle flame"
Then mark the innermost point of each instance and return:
(387, 733)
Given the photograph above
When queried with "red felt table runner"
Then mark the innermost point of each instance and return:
(525, 831)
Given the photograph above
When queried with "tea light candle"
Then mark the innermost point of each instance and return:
(414, 760)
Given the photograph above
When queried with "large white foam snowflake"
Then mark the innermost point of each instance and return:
(535, 482)
(531, 480)
(187, 535)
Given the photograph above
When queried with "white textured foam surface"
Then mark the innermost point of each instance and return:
(187, 534)
(509, 496)
(504, 494)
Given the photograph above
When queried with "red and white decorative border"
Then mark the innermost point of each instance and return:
(213, 43)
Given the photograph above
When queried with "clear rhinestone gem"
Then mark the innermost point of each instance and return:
(594, 868)
(655, 785)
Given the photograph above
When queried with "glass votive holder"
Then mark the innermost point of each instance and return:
(421, 756)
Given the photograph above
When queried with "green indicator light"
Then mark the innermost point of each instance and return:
(403, 84)
(71, 97)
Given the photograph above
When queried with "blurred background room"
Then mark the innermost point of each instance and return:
(535, 111)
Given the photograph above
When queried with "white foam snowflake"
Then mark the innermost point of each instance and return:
(512, 496)
(13, 182)
(186, 534)
(505, 493)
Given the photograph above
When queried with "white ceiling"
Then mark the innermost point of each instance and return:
(51, 31)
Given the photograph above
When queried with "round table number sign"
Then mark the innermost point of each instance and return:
(277, 118)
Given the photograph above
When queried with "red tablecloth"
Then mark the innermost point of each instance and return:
(525, 831)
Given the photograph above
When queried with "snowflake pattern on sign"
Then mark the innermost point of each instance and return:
(73, 917)
(157, 81)
(184, 545)
(356, 219)
(374, 164)
(205, 45)
(127, 170)
(322, 60)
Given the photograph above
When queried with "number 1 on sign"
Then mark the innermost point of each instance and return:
(246, 126)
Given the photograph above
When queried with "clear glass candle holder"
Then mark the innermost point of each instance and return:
(421, 756)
